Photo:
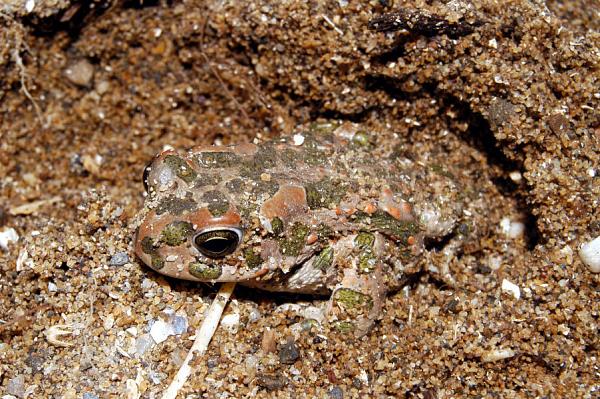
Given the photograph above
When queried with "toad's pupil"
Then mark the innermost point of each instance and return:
(217, 243)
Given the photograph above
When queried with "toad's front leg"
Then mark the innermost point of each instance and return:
(358, 297)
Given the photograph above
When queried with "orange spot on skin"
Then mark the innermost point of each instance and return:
(203, 218)
(394, 212)
(287, 202)
(370, 208)
(338, 211)
(312, 238)
(350, 211)
(411, 240)
(399, 211)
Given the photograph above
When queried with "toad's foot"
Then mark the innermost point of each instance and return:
(356, 302)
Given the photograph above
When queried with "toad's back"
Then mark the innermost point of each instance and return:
(305, 214)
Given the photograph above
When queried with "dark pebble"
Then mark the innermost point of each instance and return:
(271, 382)
(336, 393)
(288, 353)
(212, 363)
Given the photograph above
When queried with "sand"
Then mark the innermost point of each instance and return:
(503, 94)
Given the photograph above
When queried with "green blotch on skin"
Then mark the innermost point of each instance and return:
(236, 185)
(219, 160)
(264, 159)
(205, 272)
(156, 261)
(362, 139)
(207, 179)
(253, 260)
(325, 259)
(218, 205)
(325, 193)
(148, 246)
(292, 245)
(324, 231)
(269, 187)
(290, 158)
(176, 233)
(181, 168)
(364, 240)
(366, 262)
(277, 226)
(345, 327)
(176, 206)
(384, 222)
(352, 299)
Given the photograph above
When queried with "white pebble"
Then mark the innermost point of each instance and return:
(512, 229)
(313, 313)
(231, 322)
(590, 254)
(494, 262)
(52, 287)
(7, 236)
(515, 176)
(511, 288)
(498, 354)
(80, 73)
(160, 331)
(254, 315)
(132, 331)
(298, 139)
(142, 344)
(29, 5)
(23, 260)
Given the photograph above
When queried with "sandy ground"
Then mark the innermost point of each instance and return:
(503, 94)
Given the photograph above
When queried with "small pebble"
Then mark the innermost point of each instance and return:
(268, 343)
(590, 254)
(142, 344)
(254, 315)
(179, 324)
(512, 229)
(271, 382)
(80, 73)
(298, 139)
(88, 395)
(119, 259)
(231, 322)
(16, 386)
(29, 5)
(511, 288)
(497, 354)
(160, 331)
(288, 353)
(8, 236)
(336, 393)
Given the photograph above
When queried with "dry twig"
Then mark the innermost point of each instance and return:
(203, 336)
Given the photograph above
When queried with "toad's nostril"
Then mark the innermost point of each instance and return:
(145, 176)
(218, 243)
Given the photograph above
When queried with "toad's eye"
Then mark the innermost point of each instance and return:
(218, 243)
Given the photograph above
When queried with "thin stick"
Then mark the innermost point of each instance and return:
(203, 336)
